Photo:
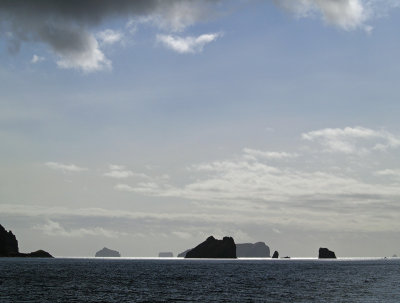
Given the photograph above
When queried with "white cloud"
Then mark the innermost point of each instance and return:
(188, 44)
(36, 59)
(119, 172)
(110, 36)
(389, 172)
(253, 154)
(65, 167)
(53, 228)
(357, 140)
(346, 14)
(88, 58)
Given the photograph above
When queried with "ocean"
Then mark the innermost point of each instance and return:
(180, 280)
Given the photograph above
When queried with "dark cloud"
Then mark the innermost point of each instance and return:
(66, 25)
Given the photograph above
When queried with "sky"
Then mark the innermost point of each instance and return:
(146, 126)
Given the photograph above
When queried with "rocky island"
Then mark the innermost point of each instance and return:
(107, 253)
(9, 247)
(213, 248)
(325, 253)
(245, 250)
(250, 250)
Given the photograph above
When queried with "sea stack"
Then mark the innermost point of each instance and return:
(213, 248)
(107, 253)
(325, 253)
(275, 255)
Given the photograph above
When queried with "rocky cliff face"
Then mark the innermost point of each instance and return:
(325, 253)
(9, 247)
(213, 248)
(8, 243)
(107, 253)
(249, 250)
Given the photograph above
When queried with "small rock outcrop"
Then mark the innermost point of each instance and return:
(165, 255)
(275, 255)
(213, 248)
(107, 253)
(9, 247)
(325, 253)
(250, 250)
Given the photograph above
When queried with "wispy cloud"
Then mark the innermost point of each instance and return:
(110, 36)
(119, 172)
(185, 45)
(53, 228)
(253, 154)
(353, 140)
(346, 14)
(65, 167)
(36, 59)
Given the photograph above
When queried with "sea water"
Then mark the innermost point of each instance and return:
(182, 280)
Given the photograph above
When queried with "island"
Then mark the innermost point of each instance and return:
(250, 250)
(107, 253)
(9, 247)
(165, 255)
(275, 255)
(213, 248)
(245, 250)
(325, 253)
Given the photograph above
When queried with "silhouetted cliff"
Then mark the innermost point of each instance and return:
(9, 247)
(107, 253)
(213, 248)
(325, 253)
(8, 243)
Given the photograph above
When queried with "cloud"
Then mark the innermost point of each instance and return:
(53, 228)
(65, 25)
(36, 59)
(389, 172)
(253, 154)
(346, 14)
(65, 167)
(185, 45)
(119, 172)
(109, 36)
(287, 193)
(353, 140)
(85, 55)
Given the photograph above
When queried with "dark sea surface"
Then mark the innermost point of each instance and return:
(173, 280)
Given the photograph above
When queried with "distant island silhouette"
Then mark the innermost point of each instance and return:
(9, 247)
(107, 253)
(165, 254)
(213, 248)
(325, 253)
(245, 250)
